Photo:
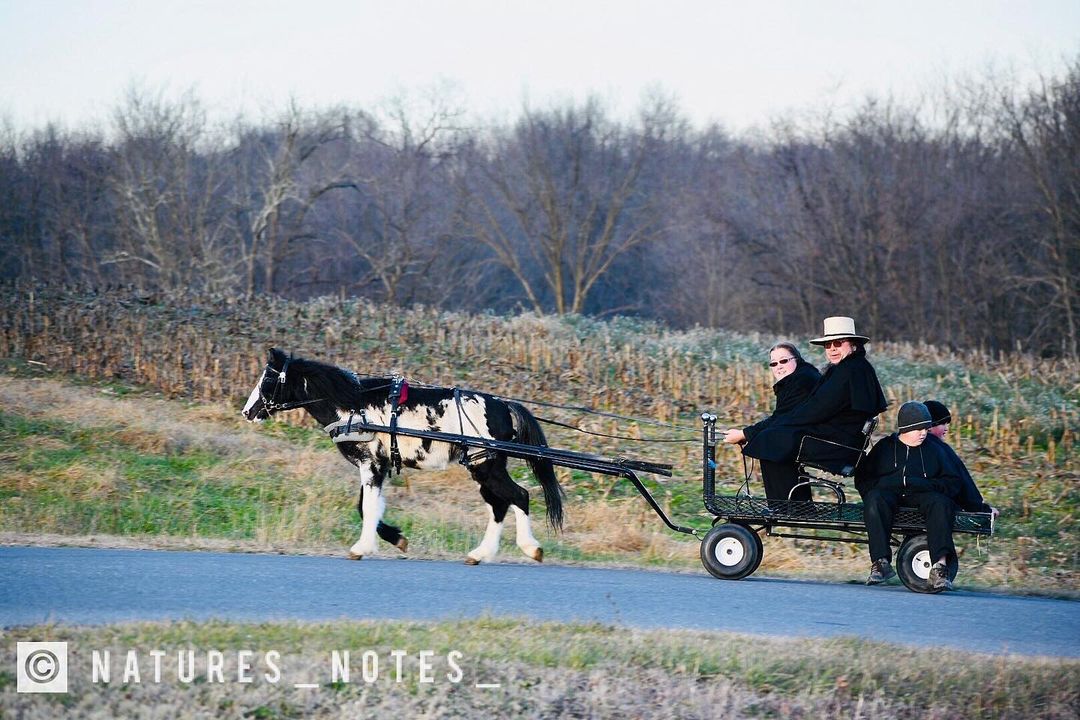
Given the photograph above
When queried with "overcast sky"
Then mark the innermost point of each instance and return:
(739, 63)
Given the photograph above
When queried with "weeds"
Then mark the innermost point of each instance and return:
(548, 670)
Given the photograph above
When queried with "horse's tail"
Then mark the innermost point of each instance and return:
(530, 433)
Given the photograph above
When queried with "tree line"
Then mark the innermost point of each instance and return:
(955, 221)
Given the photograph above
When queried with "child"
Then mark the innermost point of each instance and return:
(902, 469)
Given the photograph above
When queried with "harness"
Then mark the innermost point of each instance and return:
(399, 393)
(464, 456)
(271, 404)
(342, 430)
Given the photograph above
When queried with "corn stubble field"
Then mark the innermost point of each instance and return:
(119, 425)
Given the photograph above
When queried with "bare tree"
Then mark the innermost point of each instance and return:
(1045, 127)
(557, 201)
(398, 220)
(272, 197)
(166, 190)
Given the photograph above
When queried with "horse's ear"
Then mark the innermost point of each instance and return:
(275, 356)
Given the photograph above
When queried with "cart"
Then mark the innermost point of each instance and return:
(732, 549)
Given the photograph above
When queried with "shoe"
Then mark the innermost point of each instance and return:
(939, 578)
(880, 571)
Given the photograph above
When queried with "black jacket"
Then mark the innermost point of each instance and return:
(847, 395)
(892, 465)
(968, 496)
(790, 391)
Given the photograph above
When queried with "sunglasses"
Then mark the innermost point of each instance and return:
(833, 343)
(786, 360)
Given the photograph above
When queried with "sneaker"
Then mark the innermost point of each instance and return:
(939, 578)
(880, 571)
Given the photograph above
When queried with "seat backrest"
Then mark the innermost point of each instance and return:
(849, 456)
(868, 432)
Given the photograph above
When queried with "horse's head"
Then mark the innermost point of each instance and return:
(271, 392)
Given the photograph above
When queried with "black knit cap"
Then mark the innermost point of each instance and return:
(913, 416)
(938, 412)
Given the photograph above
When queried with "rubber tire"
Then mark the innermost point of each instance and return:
(760, 552)
(731, 551)
(913, 564)
(760, 546)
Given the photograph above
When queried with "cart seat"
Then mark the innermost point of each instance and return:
(847, 456)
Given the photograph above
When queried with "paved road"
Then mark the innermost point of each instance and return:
(92, 586)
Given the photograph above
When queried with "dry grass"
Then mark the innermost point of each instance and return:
(442, 512)
(546, 670)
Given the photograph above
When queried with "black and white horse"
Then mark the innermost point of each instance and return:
(332, 395)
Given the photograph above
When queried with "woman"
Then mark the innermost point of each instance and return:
(847, 395)
(794, 379)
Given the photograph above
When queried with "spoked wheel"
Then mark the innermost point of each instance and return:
(913, 564)
(731, 551)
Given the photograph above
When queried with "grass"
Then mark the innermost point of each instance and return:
(543, 670)
(90, 464)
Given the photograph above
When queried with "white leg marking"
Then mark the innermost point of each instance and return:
(489, 546)
(525, 540)
(373, 506)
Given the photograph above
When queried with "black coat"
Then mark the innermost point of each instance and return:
(967, 495)
(790, 391)
(892, 465)
(847, 395)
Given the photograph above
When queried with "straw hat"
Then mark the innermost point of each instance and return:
(838, 328)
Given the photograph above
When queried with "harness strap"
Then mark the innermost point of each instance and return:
(398, 392)
(342, 430)
(463, 455)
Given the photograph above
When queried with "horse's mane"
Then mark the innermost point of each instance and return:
(344, 387)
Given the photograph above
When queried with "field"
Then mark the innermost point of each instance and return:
(119, 418)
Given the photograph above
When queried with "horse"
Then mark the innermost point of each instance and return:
(335, 397)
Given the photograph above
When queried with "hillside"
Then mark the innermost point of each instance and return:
(119, 418)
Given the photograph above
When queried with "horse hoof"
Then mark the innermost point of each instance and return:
(354, 556)
(402, 544)
(538, 556)
(471, 561)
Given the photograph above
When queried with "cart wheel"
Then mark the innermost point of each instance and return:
(731, 551)
(760, 552)
(913, 564)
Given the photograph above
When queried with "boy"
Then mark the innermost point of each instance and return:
(902, 469)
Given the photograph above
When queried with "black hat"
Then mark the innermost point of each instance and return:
(913, 416)
(938, 412)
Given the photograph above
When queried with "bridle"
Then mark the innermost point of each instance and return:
(271, 404)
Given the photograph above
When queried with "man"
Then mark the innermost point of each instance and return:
(902, 469)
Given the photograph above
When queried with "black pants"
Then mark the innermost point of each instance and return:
(879, 509)
(779, 478)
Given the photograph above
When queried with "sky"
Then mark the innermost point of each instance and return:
(741, 64)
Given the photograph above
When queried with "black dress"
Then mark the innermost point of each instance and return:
(790, 391)
(846, 396)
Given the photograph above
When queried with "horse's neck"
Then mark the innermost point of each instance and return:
(372, 392)
(324, 413)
